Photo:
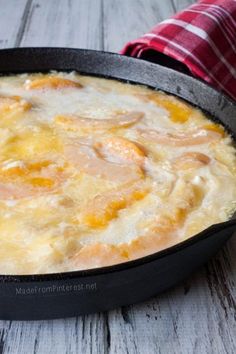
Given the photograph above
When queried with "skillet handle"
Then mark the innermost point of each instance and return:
(164, 60)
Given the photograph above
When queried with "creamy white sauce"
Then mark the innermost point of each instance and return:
(43, 232)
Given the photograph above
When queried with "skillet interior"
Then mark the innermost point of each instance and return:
(136, 71)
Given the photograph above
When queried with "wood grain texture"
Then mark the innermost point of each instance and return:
(198, 316)
(126, 20)
(63, 23)
(12, 18)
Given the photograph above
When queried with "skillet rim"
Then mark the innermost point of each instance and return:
(210, 231)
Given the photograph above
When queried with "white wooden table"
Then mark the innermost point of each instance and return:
(198, 316)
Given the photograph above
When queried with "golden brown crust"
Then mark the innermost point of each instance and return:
(101, 255)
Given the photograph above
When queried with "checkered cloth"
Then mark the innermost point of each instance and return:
(201, 40)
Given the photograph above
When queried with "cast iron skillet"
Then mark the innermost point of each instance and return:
(81, 292)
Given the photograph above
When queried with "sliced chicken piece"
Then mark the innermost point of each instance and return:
(29, 179)
(76, 122)
(190, 160)
(9, 104)
(161, 232)
(196, 137)
(121, 149)
(98, 255)
(105, 207)
(86, 159)
(179, 111)
(50, 82)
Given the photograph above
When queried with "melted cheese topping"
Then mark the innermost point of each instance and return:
(95, 172)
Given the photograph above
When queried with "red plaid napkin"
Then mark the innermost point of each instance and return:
(201, 40)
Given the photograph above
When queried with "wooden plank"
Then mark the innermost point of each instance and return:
(81, 335)
(179, 5)
(12, 18)
(60, 23)
(127, 20)
(194, 317)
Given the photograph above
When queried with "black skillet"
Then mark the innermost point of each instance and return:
(82, 292)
